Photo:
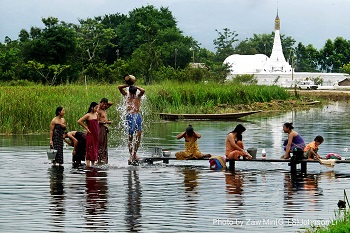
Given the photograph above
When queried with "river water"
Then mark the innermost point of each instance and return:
(184, 195)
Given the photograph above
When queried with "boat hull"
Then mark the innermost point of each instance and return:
(223, 116)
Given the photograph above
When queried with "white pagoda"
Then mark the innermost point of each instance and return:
(275, 69)
(277, 62)
(260, 63)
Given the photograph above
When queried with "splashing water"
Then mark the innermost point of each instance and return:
(119, 132)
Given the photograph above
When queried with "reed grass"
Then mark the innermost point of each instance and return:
(30, 109)
(341, 224)
(173, 97)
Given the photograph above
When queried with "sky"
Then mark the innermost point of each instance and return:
(307, 21)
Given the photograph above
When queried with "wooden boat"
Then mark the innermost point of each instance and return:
(223, 116)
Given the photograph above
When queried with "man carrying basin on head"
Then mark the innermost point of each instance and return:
(133, 115)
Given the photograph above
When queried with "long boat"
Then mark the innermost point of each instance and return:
(222, 116)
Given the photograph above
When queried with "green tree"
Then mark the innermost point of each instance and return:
(306, 58)
(346, 68)
(50, 73)
(9, 62)
(93, 41)
(224, 44)
(53, 45)
(334, 54)
(113, 50)
(142, 26)
(245, 47)
(263, 44)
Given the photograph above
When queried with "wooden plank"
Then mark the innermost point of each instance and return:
(253, 160)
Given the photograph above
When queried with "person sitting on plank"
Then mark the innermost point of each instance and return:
(234, 144)
(191, 145)
(294, 142)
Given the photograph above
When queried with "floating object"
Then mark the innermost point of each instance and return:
(346, 149)
(263, 153)
(328, 162)
(51, 154)
(333, 156)
(223, 116)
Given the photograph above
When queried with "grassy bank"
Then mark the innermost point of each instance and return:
(205, 98)
(341, 224)
(29, 109)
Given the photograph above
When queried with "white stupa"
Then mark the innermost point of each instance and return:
(275, 69)
(260, 63)
(277, 62)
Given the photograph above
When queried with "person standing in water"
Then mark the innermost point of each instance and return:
(133, 116)
(57, 127)
(103, 130)
(91, 134)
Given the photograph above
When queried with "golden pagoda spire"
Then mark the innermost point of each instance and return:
(277, 22)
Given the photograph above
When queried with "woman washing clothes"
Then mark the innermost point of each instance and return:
(294, 141)
(234, 144)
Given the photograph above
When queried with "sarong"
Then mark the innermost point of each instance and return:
(102, 144)
(57, 139)
(92, 140)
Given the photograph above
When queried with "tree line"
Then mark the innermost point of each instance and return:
(146, 43)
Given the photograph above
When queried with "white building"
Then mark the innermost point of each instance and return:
(275, 69)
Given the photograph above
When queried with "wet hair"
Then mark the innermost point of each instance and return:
(189, 130)
(289, 125)
(132, 89)
(319, 139)
(58, 110)
(104, 100)
(239, 129)
(92, 105)
(239, 137)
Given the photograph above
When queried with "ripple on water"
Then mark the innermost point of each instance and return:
(184, 196)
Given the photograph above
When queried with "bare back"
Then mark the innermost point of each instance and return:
(133, 103)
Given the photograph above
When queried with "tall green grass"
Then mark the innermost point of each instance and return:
(30, 109)
(173, 97)
(341, 224)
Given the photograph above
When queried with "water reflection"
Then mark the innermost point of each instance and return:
(96, 200)
(172, 198)
(190, 180)
(234, 198)
(301, 192)
(57, 207)
(133, 202)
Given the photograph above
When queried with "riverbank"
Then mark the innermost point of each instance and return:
(341, 223)
(29, 109)
(330, 95)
